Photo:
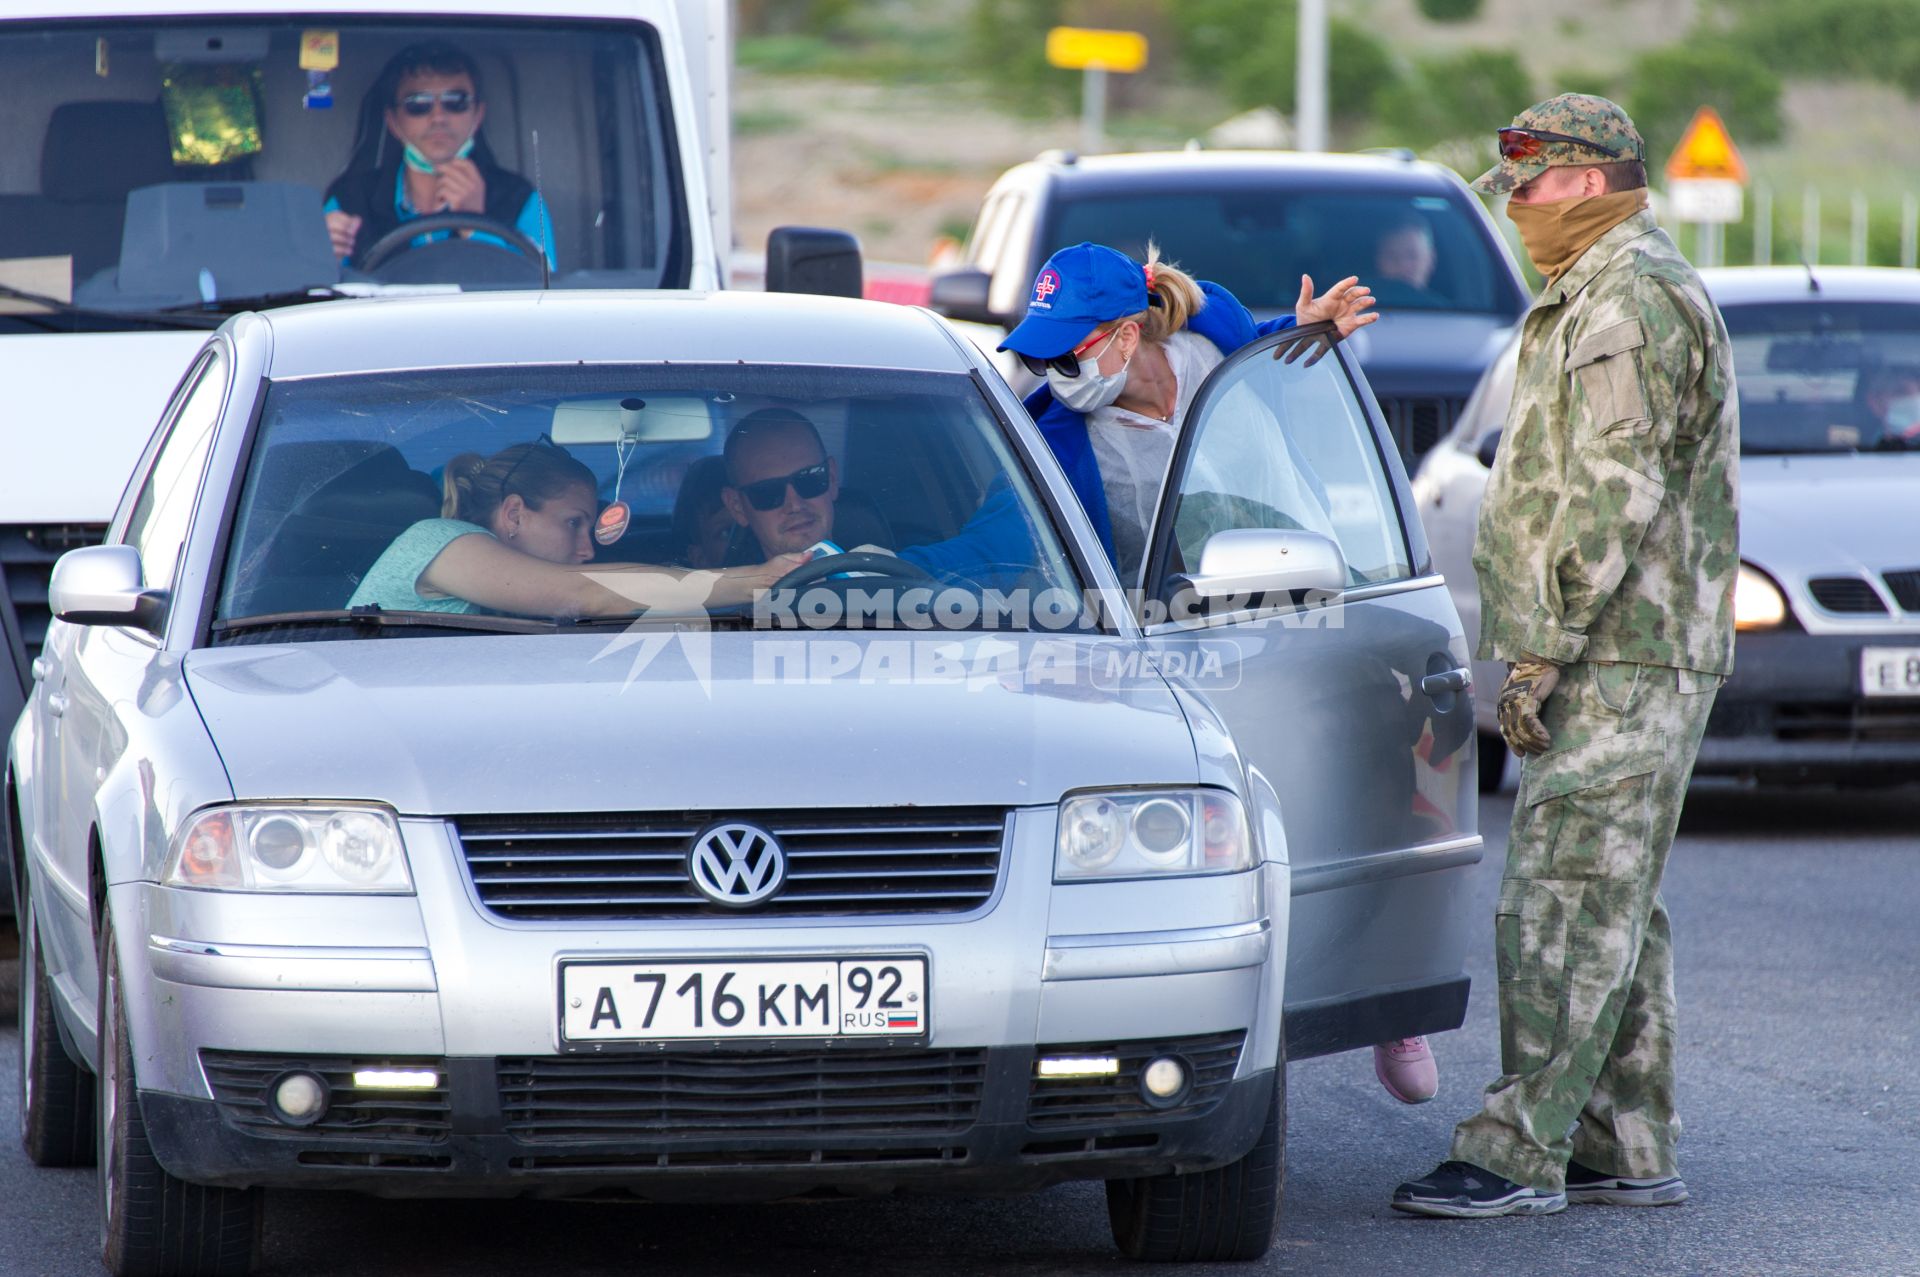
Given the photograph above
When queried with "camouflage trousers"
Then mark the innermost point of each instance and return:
(1582, 943)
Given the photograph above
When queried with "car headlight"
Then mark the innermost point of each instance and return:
(1757, 601)
(285, 848)
(1151, 834)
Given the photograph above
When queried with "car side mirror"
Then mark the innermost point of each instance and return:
(100, 585)
(1489, 448)
(810, 259)
(1253, 561)
(962, 294)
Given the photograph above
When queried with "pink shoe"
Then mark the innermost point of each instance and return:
(1406, 1068)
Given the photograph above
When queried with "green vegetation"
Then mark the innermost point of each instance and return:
(1837, 39)
(1466, 94)
(1250, 47)
(1450, 10)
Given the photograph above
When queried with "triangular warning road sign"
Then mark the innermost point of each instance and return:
(1707, 151)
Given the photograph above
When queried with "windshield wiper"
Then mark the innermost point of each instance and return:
(373, 619)
(258, 301)
(167, 318)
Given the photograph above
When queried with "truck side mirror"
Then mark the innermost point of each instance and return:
(1488, 448)
(811, 259)
(962, 294)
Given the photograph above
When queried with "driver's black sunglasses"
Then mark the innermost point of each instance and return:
(768, 494)
(452, 101)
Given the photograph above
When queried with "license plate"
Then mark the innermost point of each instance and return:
(744, 998)
(1890, 671)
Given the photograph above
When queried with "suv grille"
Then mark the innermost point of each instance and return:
(914, 1095)
(614, 867)
(1109, 1101)
(27, 552)
(1849, 594)
(239, 1081)
(1418, 424)
(1906, 589)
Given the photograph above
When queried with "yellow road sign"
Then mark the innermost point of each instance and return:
(1707, 150)
(1080, 48)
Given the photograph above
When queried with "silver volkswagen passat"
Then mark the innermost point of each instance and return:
(454, 776)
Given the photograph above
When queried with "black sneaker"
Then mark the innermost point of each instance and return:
(1591, 1188)
(1461, 1190)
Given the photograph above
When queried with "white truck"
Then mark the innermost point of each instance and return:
(169, 162)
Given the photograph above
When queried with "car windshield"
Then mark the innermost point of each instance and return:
(1417, 252)
(357, 483)
(153, 167)
(1820, 376)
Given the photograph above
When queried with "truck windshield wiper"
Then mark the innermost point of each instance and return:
(374, 619)
(167, 318)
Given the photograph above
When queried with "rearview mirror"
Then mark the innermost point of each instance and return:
(962, 294)
(658, 419)
(808, 259)
(1268, 561)
(100, 585)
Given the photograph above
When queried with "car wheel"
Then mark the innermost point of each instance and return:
(152, 1224)
(1493, 762)
(56, 1095)
(1228, 1213)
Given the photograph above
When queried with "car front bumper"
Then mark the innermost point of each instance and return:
(1793, 710)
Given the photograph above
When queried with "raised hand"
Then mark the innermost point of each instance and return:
(1344, 304)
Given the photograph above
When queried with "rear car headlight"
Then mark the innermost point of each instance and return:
(1757, 601)
(1151, 834)
(249, 848)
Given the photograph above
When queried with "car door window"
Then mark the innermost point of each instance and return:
(164, 508)
(1283, 443)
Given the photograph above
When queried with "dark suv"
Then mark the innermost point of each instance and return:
(1255, 221)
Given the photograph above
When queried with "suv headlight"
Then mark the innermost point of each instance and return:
(1151, 834)
(1757, 601)
(285, 848)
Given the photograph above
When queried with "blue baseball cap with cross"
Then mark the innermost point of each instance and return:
(1078, 289)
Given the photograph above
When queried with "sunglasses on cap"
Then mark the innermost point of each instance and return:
(1523, 144)
(768, 494)
(452, 101)
(1067, 365)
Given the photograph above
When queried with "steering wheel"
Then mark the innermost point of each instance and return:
(880, 565)
(400, 239)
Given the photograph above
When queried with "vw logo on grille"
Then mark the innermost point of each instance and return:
(737, 864)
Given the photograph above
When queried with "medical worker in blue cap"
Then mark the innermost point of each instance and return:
(1123, 346)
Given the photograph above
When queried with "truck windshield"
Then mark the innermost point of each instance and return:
(1416, 251)
(155, 168)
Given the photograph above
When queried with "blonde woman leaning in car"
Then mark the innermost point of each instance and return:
(514, 535)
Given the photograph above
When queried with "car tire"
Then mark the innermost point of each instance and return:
(1228, 1213)
(1493, 762)
(56, 1095)
(152, 1224)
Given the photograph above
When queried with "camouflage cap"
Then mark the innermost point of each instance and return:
(1572, 115)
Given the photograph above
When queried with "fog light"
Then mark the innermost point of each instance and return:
(1079, 1066)
(298, 1099)
(396, 1079)
(1164, 1080)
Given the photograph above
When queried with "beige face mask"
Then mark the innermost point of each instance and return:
(1558, 233)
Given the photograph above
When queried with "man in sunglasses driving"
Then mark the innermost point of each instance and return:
(1606, 556)
(782, 489)
(420, 152)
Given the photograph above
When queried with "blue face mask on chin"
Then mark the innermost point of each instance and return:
(419, 163)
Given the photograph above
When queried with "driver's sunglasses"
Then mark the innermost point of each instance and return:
(1067, 365)
(1524, 144)
(452, 101)
(769, 494)
(543, 440)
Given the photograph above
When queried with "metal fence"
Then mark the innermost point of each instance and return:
(1877, 234)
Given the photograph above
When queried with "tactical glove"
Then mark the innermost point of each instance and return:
(1528, 685)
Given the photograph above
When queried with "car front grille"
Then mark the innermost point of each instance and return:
(1905, 586)
(1858, 722)
(1117, 1099)
(915, 1095)
(240, 1081)
(1417, 424)
(599, 868)
(1848, 595)
(27, 553)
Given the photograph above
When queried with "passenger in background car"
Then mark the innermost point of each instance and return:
(1892, 401)
(1403, 263)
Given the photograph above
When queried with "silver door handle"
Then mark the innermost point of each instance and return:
(1454, 680)
(56, 704)
(39, 668)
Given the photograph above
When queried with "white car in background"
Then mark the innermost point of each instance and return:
(1826, 681)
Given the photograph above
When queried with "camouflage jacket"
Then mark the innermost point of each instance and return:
(1608, 531)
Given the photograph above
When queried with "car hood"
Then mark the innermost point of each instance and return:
(66, 410)
(486, 723)
(1824, 515)
(1411, 352)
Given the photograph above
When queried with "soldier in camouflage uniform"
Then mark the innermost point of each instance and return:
(1606, 556)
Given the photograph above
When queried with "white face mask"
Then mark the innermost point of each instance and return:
(1903, 414)
(1092, 389)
